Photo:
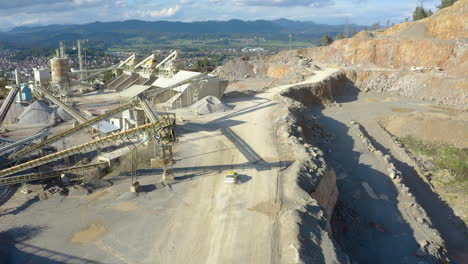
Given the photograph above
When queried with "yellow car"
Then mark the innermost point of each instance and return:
(231, 177)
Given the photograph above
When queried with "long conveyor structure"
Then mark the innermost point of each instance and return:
(46, 174)
(25, 141)
(7, 104)
(149, 111)
(161, 131)
(75, 114)
(73, 130)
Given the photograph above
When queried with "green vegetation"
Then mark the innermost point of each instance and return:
(446, 3)
(170, 35)
(3, 91)
(376, 26)
(21, 55)
(420, 12)
(340, 36)
(209, 44)
(205, 62)
(326, 40)
(107, 76)
(444, 157)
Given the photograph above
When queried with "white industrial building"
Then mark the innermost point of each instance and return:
(189, 93)
(42, 75)
(182, 95)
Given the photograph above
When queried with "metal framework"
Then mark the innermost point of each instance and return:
(161, 131)
(25, 141)
(149, 111)
(73, 130)
(45, 175)
(168, 162)
(7, 103)
(75, 114)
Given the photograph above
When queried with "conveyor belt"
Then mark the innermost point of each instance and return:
(75, 114)
(160, 130)
(24, 141)
(7, 104)
(149, 111)
(45, 174)
(73, 130)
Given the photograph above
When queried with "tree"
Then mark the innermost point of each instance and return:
(420, 12)
(389, 23)
(340, 36)
(326, 40)
(445, 3)
(205, 62)
(107, 76)
(3, 91)
(375, 26)
(353, 32)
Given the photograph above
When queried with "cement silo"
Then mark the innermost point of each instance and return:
(60, 69)
(60, 85)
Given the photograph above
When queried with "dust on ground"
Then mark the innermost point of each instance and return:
(125, 206)
(90, 234)
(442, 127)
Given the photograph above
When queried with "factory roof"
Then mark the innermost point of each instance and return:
(180, 76)
(134, 90)
(105, 127)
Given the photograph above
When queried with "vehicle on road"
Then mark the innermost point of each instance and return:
(231, 177)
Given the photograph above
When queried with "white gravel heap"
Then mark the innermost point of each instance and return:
(209, 104)
(64, 115)
(36, 113)
(14, 112)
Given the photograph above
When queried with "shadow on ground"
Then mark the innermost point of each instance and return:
(369, 229)
(15, 250)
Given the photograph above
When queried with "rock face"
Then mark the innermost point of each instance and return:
(440, 40)
(395, 53)
(309, 191)
(448, 23)
(320, 93)
(426, 59)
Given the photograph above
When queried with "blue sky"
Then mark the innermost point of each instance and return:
(365, 12)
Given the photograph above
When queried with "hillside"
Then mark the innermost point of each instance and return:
(382, 60)
(108, 34)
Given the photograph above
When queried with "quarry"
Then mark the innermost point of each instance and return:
(350, 153)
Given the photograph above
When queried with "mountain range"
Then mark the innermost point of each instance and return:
(108, 34)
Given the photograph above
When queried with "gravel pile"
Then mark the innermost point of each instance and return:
(403, 85)
(36, 113)
(14, 112)
(235, 69)
(64, 115)
(209, 104)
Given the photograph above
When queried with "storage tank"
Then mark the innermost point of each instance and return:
(60, 70)
(26, 94)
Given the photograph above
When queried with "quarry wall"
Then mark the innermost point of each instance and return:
(309, 191)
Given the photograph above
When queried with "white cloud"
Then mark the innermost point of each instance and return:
(86, 2)
(316, 3)
(165, 12)
(42, 12)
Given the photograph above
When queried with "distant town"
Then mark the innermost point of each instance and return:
(195, 60)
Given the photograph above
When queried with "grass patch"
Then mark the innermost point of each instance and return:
(443, 156)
